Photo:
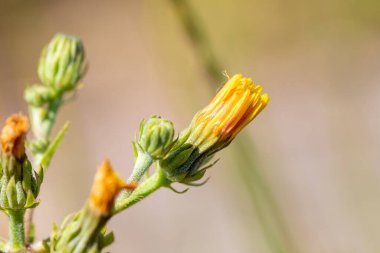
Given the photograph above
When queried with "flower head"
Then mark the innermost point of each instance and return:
(61, 61)
(13, 135)
(156, 136)
(19, 183)
(107, 185)
(236, 104)
(213, 128)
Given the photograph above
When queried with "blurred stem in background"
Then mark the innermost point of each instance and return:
(269, 215)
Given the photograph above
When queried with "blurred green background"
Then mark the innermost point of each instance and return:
(316, 143)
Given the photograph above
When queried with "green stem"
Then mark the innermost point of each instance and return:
(153, 183)
(143, 162)
(42, 120)
(16, 230)
(50, 117)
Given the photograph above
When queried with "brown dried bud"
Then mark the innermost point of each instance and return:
(13, 135)
(107, 185)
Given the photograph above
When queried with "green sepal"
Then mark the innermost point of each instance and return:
(177, 157)
(106, 240)
(27, 175)
(31, 200)
(12, 193)
(20, 194)
(4, 203)
(12, 167)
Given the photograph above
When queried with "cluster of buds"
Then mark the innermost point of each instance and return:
(19, 183)
(213, 128)
(86, 230)
(186, 159)
(60, 70)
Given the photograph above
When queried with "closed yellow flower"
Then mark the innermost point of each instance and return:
(235, 105)
(213, 128)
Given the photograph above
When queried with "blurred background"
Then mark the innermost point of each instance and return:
(314, 185)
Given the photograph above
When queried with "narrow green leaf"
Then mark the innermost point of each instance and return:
(45, 161)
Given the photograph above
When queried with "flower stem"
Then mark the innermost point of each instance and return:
(153, 183)
(143, 162)
(16, 230)
(42, 120)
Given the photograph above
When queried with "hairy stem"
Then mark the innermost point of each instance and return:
(153, 183)
(143, 162)
(43, 120)
(16, 230)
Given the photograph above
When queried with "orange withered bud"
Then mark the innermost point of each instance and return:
(13, 135)
(107, 185)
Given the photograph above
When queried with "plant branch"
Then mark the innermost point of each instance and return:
(153, 183)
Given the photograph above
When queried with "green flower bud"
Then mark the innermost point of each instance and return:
(83, 232)
(156, 136)
(18, 183)
(61, 61)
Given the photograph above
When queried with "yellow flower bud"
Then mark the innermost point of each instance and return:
(213, 128)
(235, 105)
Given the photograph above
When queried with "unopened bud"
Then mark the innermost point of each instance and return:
(156, 136)
(61, 61)
(213, 128)
(19, 184)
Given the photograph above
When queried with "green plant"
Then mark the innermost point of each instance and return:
(184, 159)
